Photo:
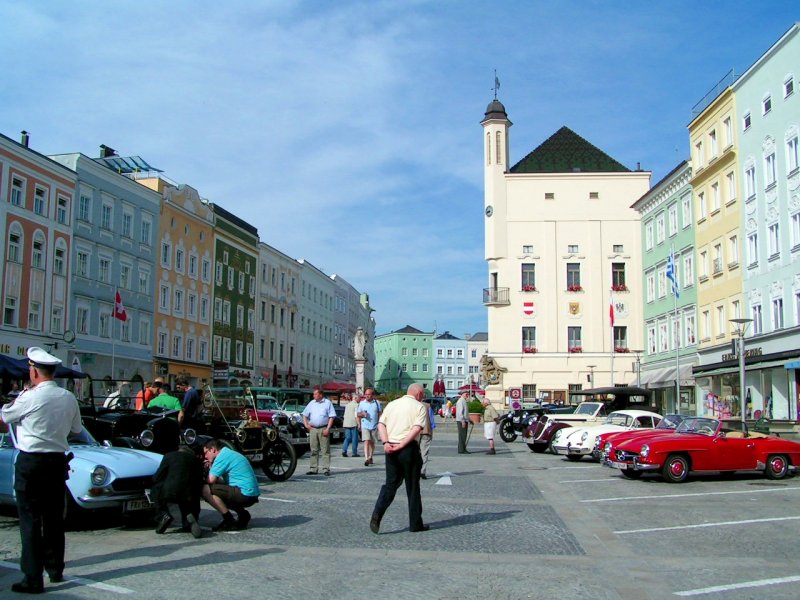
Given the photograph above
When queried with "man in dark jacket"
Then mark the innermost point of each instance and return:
(179, 480)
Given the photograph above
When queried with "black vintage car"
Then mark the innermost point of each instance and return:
(153, 430)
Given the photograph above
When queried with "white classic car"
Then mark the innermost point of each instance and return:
(577, 442)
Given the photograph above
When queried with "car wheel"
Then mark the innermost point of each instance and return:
(280, 460)
(73, 513)
(676, 469)
(630, 474)
(574, 457)
(777, 467)
(507, 431)
(550, 448)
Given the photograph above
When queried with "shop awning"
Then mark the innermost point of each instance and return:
(650, 376)
(749, 367)
(793, 364)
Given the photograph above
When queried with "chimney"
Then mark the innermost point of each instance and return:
(25, 139)
(106, 151)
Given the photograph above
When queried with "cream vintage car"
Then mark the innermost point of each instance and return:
(577, 442)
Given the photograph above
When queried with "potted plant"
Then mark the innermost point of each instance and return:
(529, 349)
(528, 288)
(475, 410)
(621, 349)
(619, 288)
(574, 288)
(575, 349)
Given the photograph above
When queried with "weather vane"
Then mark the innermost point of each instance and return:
(496, 84)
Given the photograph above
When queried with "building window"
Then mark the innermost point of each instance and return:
(701, 206)
(106, 216)
(691, 329)
(17, 191)
(648, 236)
(37, 258)
(698, 155)
(178, 301)
(758, 324)
(712, 143)
(746, 122)
(163, 298)
(617, 248)
(177, 346)
(82, 320)
(104, 271)
(574, 339)
(166, 255)
(127, 225)
(731, 179)
(144, 282)
(660, 230)
(662, 282)
(573, 276)
(673, 219)
(652, 342)
(40, 201)
(179, 260)
(572, 249)
(752, 249)
(651, 287)
(528, 391)
(750, 182)
(736, 309)
(620, 338)
(777, 313)
(663, 337)
(529, 339)
(792, 156)
(728, 127)
(57, 321)
(105, 322)
(770, 169)
(62, 211)
(766, 105)
(59, 261)
(686, 208)
(795, 229)
(733, 249)
(528, 277)
(10, 312)
(688, 270)
(145, 233)
(618, 277)
(788, 87)
(82, 264)
(774, 241)
(715, 199)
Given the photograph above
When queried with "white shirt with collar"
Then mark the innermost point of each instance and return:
(45, 416)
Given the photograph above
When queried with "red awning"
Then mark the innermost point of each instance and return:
(472, 387)
(338, 387)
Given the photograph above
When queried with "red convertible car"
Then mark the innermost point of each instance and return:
(606, 442)
(704, 444)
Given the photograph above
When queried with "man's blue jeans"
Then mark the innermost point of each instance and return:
(350, 437)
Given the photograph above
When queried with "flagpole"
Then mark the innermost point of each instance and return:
(113, 345)
(677, 358)
(611, 312)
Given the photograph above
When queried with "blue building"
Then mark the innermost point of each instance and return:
(450, 362)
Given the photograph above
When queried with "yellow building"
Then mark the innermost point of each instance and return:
(563, 246)
(712, 136)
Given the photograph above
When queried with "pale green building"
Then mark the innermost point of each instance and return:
(403, 357)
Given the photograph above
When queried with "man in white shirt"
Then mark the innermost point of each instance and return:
(45, 415)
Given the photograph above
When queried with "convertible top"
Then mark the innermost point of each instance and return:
(17, 368)
(626, 390)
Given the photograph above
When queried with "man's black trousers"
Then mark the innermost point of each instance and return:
(404, 465)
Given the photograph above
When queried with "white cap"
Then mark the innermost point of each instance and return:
(40, 357)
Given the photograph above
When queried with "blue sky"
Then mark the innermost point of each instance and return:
(348, 132)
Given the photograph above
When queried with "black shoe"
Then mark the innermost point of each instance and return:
(366, 463)
(491, 451)
(194, 527)
(344, 453)
(243, 520)
(375, 524)
(228, 523)
(311, 472)
(327, 473)
(418, 529)
(163, 522)
(24, 587)
(55, 576)
(423, 476)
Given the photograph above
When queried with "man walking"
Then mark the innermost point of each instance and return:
(369, 411)
(426, 437)
(45, 416)
(231, 484)
(350, 424)
(399, 426)
(462, 421)
(318, 418)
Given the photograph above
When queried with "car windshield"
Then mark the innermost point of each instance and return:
(699, 425)
(617, 418)
(670, 422)
(84, 438)
(587, 408)
(267, 403)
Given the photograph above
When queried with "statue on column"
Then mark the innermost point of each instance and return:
(359, 343)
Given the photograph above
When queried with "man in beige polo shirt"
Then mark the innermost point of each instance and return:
(400, 423)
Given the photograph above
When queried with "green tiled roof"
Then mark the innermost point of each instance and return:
(567, 152)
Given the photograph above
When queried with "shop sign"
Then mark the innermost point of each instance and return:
(750, 353)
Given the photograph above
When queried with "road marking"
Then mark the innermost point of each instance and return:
(718, 524)
(669, 496)
(80, 580)
(277, 499)
(590, 480)
(444, 481)
(739, 586)
(576, 468)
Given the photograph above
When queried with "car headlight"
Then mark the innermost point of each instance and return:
(644, 451)
(147, 437)
(189, 436)
(99, 475)
(607, 447)
(584, 436)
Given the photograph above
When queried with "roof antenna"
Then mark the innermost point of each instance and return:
(496, 84)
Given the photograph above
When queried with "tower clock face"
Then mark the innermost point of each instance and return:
(489, 211)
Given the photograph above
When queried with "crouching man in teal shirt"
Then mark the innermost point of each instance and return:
(231, 484)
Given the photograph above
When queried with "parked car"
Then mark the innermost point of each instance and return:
(100, 477)
(705, 444)
(577, 442)
(154, 430)
(540, 432)
(605, 442)
(516, 421)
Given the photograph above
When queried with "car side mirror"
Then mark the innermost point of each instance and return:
(721, 434)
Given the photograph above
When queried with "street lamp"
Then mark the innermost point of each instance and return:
(742, 327)
(591, 374)
(638, 354)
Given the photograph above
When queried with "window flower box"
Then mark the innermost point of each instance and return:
(529, 349)
(619, 288)
(528, 288)
(574, 288)
(621, 349)
(575, 349)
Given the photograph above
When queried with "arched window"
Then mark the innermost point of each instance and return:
(488, 148)
(498, 153)
(37, 254)
(15, 243)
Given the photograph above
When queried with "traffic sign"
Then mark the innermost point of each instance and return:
(515, 393)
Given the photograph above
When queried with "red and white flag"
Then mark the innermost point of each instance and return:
(611, 310)
(119, 308)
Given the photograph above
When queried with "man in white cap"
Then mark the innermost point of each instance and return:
(45, 415)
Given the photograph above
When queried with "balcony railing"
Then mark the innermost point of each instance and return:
(495, 296)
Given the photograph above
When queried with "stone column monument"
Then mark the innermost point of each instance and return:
(359, 343)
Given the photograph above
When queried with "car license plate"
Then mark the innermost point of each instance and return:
(132, 505)
(620, 465)
(257, 457)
